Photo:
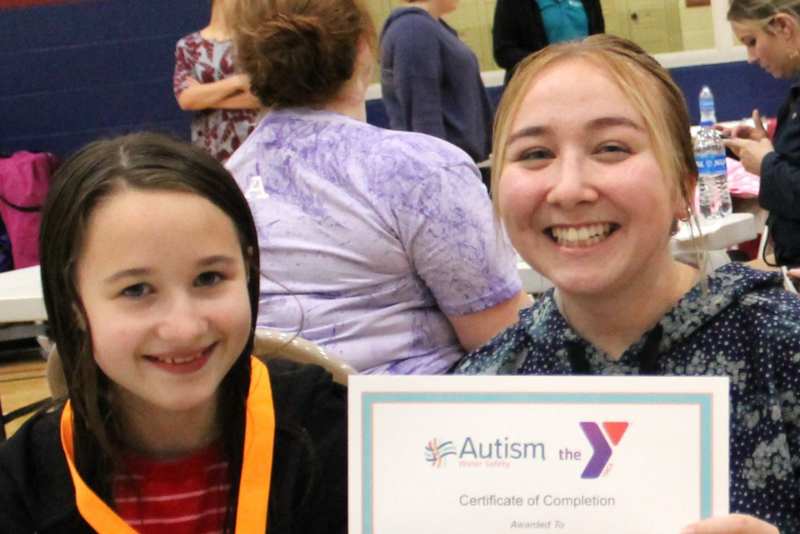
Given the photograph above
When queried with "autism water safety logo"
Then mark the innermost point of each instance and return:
(436, 452)
(614, 430)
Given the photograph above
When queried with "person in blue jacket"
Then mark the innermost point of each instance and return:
(770, 31)
(431, 80)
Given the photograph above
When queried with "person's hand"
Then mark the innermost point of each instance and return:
(744, 131)
(794, 273)
(191, 81)
(731, 524)
(750, 153)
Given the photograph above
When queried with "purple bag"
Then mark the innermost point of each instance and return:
(24, 182)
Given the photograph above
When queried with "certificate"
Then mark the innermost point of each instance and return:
(533, 454)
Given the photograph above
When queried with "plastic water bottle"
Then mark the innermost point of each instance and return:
(712, 181)
(706, 101)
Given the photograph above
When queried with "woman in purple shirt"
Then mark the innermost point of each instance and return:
(377, 244)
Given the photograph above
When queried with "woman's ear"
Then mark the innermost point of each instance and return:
(784, 25)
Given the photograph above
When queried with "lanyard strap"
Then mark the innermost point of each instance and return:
(254, 483)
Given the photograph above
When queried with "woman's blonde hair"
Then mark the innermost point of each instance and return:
(761, 12)
(646, 84)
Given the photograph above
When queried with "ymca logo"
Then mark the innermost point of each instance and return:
(614, 430)
(436, 452)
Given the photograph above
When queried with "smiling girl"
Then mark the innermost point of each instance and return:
(150, 271)
(592, 178)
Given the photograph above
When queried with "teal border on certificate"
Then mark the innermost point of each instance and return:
(703, 401)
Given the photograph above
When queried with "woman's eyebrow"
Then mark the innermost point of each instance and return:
(528, 131)
(594, 124)
(611, 121)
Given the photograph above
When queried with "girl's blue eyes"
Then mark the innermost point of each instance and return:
(136, 290)
(209, 278)
(140, 290)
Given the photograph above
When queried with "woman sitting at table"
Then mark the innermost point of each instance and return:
(381, 245)
(770, 30)
(591, 180)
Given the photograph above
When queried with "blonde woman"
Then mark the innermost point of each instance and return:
(770, 30)
(591, 179)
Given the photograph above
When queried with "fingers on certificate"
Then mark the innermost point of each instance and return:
(731, 524)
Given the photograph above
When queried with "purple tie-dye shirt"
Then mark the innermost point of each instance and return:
(370, 238)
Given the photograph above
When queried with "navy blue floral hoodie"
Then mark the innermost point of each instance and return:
(743, 325)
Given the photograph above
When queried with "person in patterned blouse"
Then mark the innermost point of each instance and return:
(592, 178)
(206, 83)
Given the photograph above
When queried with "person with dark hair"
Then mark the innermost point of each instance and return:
(206, 83)
(522, 27)
(380, 243)
(431, 80)
(770, 30)
(170, 425)
(591, 180)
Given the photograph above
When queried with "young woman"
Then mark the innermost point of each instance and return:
(770, 30)
(380, 243)
(522, 27)
(592, 178)
(150, 272)
(206, 83)
(431, 80)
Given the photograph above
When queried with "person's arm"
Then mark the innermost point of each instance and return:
(197, 96)
(243, 100)
(476, 329)
(447, 226)
(417, 76)
(508, 50)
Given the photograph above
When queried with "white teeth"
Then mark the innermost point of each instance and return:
(178, 361)
(583, 236)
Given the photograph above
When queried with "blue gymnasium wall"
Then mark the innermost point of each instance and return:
(83, 69)
(79, 70)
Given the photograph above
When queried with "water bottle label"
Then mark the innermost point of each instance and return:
(712, 164)
(706, 105)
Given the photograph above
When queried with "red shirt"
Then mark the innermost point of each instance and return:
(189, 495)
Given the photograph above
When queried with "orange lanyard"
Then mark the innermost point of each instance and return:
(259, 438)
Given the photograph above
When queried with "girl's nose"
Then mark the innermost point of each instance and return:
(182, 321)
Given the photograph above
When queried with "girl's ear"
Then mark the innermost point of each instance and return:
(79, 320)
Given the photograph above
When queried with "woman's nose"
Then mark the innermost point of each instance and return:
(571, 184)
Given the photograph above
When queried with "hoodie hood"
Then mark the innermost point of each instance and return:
(730, 288)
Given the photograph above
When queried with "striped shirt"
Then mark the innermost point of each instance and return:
(188, 495)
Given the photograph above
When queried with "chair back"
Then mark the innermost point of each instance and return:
(271, 343)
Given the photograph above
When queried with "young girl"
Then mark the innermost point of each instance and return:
(150, 271)
(206, 83)
(592, 178)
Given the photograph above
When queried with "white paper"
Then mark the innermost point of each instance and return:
(521, 454)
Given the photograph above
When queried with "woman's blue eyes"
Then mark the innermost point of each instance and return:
(535, 154)
(613, 148)
(544, 153)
